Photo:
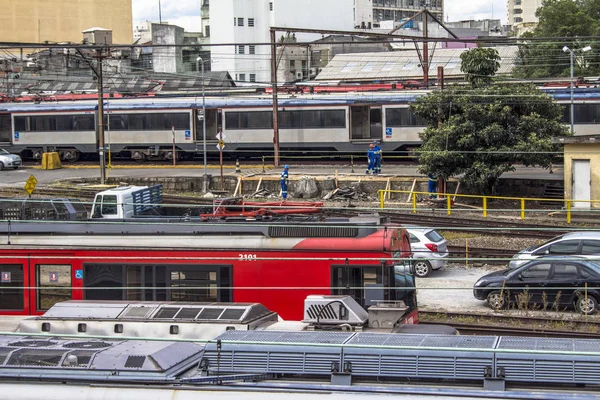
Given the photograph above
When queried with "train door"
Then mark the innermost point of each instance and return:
(52, 281)
(14, 284)
(375, 118)
(364, 283)
(213, 125)
(5, 129)
(360, 124)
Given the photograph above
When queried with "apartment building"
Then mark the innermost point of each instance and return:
(248, 22)
(521, 15)
(37, 21)
(370, 13)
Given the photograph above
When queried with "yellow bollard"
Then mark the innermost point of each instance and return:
(449, 204)
(522, 208)
(466, 252)
(414, 199)
(568, 211)
(381, 199)
(485, 207)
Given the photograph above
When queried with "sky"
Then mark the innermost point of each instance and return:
(186, 13)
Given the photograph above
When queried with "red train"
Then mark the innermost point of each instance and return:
(277, 265)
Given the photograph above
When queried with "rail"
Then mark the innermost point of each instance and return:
(448, 199)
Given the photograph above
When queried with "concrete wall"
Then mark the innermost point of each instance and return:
(167, 59)
(35, 21)
(582, 151)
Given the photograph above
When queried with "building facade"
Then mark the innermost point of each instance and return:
(370, 13)
(37, 21)
(521, 15)
(249, 21)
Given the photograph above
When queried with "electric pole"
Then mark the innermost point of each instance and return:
(101, 117)
(275, 101)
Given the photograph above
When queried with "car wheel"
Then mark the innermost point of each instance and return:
(1, 166)
(422, 268)
(497, 300)
(586, 305)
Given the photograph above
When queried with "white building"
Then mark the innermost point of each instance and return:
(370, 13)
(249, 21)
(521, 15)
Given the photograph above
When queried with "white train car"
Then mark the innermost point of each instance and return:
(317, 124)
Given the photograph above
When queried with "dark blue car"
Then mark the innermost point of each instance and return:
(553, 282)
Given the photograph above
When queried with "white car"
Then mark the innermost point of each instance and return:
(583, 243)
(429, 250)
(8, 160)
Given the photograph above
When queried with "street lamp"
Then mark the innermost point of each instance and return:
(200, 61)
(572, 55)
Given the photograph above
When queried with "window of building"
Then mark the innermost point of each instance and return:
(252, 49)
(207, 31)
(252, 77)
(251, 22)
(243, 77)
(292, 64)
(240, 22)
(518, 11)
(518, 19)
(517, 2)
(241, 49)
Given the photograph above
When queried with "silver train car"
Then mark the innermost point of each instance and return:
(151, 128)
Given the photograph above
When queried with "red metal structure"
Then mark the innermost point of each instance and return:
(277, 265)
(237, 207)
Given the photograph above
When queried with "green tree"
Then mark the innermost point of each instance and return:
(478, 135)
(562, 19)
(479, 65)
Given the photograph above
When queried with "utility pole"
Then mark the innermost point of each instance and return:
(275, 101)
(425, 61)
(101, 117)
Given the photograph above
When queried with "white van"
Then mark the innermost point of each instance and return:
(126, 202)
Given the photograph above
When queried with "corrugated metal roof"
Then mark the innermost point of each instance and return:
(403, 64)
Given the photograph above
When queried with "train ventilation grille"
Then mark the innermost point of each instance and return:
(137, 312)
(87, 345)
(312, 231)
(33, 343)
(135, 361)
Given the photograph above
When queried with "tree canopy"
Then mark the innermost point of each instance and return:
(570, 19)
(479, 65)
(480, 134)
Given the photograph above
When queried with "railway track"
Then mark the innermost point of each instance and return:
(515, 325)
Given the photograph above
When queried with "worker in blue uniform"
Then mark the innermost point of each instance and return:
(371, 158)
(432, 186)
(284, 181)
(377, 152)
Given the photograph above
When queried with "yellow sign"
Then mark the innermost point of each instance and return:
(221, 144)
(30, 185)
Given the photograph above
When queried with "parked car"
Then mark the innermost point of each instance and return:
(585, 243)
(557, 281)
(8, 160)
(429, 250)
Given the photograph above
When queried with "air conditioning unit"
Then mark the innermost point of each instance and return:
(333, 310)
(298, 75)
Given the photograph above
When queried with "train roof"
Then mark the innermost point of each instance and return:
(338, 99)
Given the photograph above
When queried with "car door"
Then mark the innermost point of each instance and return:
(531, 280)
(564, 280)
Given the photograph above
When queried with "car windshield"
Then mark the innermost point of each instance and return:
(537, 246)
(434, 236)
(2, 151)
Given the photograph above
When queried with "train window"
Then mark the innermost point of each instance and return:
(54, 283)
(42, 123)
(586, 113)
(84, 123)
(64, 122)
(11, 287)
(118, 122)
(312, 119)
(21, 124)
(5, 128)
(137, 122)
(235, 120)
(402, 117)
(193, 285)
(98, 280)
(133, 282)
